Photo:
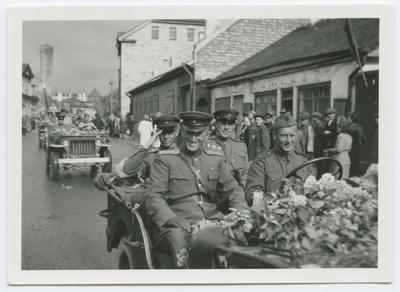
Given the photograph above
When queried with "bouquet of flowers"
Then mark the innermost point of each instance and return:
(327, 223)
(323, 223)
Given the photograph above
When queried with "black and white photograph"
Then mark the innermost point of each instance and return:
(175, 144)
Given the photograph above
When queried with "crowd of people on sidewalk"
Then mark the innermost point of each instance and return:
(318, 135)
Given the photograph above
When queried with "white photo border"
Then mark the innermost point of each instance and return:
(382, 274)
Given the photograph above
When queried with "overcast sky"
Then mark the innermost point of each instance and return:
(84, 56)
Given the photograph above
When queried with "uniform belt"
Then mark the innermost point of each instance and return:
(197, 198)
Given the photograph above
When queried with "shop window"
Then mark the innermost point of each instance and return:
(265, 102)
(287, 100)
(222, 102)
(314, 98)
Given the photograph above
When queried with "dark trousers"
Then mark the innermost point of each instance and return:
(204, 242)
(171, 241)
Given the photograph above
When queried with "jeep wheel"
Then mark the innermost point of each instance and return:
(107, 167)
(53, 165)
(124, 255)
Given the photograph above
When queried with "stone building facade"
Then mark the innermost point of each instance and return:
(222, 50)
(148, 47)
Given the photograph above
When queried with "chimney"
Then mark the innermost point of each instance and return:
(59, 96)
(84, 97)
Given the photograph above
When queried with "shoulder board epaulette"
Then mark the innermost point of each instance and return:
(212, 152)
(211, 138)
(302, 154)
(153, 150)
(263, 155)
(235, 140)
(169, 151)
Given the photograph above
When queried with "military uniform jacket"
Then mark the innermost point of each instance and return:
(237, 152)
(140, 162)
(268, 169)
(171, 181)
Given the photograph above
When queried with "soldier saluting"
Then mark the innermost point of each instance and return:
(183, 187)
(235, 151)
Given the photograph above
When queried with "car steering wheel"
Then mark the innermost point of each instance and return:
(322, 163)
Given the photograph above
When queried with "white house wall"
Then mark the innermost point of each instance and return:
(140, 61)
(337, 74)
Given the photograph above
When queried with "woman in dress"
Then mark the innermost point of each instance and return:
(343, 146)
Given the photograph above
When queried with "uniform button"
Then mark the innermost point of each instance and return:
(198, 170)
(199, 185)
(195, 159)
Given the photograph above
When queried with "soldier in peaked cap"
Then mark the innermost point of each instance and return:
(235, 151)
(183, 190)
(166, 130)
(269, 168)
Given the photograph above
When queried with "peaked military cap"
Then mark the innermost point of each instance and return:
(258, 116)
(195, 121)
(284, 121)
(166, 122)
(330, 111)
(283, 111)
(226, 114)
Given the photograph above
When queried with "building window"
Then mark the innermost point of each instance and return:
(222, 102)
(154, 32)
(287, 100)
(190, 34)
(265, 102)
(172, 33)
(314, 98)
(155, 103)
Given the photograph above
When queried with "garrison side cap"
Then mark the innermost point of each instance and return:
(195, 121)
(166, 122)
(226, 114)
(284, 121)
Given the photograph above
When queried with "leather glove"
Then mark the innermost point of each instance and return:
(179, 222)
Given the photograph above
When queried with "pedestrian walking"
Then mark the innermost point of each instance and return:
(319, 139)
(145, 128)
(330, 131)
(342, 146)
(131, 126)
(357, 133)
(307, 143)
(259, 137)
(98, 122)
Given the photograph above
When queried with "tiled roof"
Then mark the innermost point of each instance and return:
(323, 38)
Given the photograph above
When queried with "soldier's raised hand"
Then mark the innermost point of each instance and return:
(153, 138)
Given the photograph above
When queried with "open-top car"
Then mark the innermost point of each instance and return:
(68, 147)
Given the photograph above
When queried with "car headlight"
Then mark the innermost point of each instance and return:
(65, 143)
(98, 143)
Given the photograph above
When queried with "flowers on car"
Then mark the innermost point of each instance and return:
(325, 222)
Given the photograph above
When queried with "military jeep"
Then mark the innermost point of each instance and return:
(66, 148)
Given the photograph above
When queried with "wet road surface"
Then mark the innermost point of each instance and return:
(61, 226)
